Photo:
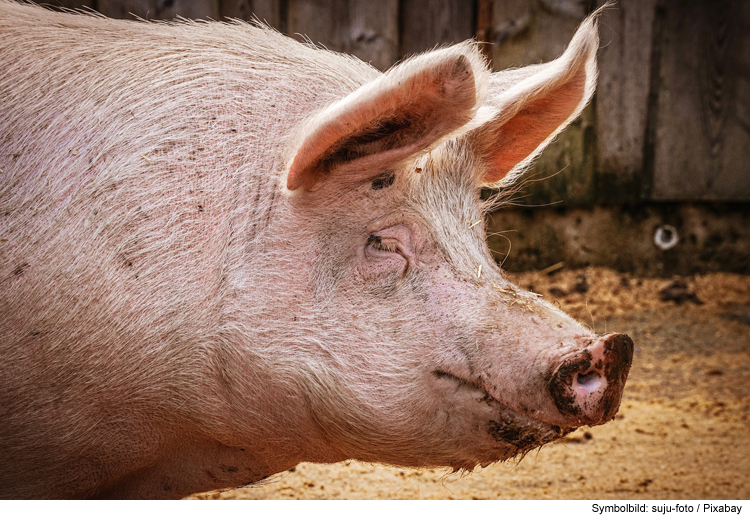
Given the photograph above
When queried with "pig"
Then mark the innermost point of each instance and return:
(224, 252)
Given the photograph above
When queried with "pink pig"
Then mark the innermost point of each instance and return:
(223, 252)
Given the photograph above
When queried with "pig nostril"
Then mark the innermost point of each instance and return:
(589, 381)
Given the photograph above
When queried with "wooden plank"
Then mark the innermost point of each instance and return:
(372, 32)
(363, 28)
(268, 11)
(625, 31)
(702, 139)
(533, 32)
(317, 21)
(427, 23)
(485, 28)
(159, 9)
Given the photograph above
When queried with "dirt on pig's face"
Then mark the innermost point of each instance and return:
(425, 354)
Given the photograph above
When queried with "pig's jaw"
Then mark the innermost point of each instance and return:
(584, 388)
(509, 433)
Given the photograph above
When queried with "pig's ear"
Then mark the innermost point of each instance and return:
(534, 104)
(400, 114)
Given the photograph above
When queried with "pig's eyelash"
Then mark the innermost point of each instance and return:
(376, 242)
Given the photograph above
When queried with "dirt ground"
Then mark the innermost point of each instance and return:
(683, 430)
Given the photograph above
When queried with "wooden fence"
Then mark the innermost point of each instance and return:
(671, 117)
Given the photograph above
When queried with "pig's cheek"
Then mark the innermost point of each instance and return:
(446, 295)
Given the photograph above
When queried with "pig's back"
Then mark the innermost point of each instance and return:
(129, 149)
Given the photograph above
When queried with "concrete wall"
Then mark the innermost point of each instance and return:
(710, 237)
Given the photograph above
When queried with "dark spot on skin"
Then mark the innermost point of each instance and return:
(384, 180)
(511, 433)
(290, 471)
(211, 476)
(229, 469)
(20, 269)
(418, 170)
(488, 399)
(167, 486)
(242, 448)
(461, 68)
(200, 208)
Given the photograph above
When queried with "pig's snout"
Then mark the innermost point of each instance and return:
(587, 386)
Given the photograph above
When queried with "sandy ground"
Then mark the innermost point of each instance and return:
(683, 430)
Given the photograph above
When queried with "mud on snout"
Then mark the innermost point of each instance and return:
(587, 387)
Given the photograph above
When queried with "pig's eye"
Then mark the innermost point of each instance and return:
(375, 242)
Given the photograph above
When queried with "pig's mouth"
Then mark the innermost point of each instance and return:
(515, 429)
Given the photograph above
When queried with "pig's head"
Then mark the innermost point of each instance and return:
(417, 350)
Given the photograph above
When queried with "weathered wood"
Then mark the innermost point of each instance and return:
(701, 150)
(530, 33)
(159, 9)
(316, 20)
(625, 32)
(702, 140)
(485, 29)
(363, 28)
(427, 23)
(372, 33)
(268, 11)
